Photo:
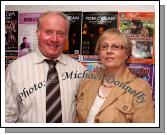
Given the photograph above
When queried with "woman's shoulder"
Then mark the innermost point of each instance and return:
(137, 83)
(141, 85)
(137, 80)
(141, 81)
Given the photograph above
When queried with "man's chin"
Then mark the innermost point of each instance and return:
(54, 56)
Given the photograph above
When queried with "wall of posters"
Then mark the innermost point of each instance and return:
(85, 28)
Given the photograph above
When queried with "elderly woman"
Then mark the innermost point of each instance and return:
(113, 94)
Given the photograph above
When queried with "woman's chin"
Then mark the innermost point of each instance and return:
(110, 65)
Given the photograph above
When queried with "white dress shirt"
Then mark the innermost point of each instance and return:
(25, 92)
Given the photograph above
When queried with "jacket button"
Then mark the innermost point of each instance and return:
(96, 120)
(125, 108)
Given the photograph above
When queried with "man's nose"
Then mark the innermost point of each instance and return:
(54, 37)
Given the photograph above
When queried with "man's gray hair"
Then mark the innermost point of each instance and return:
(54, 12)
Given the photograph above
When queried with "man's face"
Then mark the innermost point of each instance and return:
(52, 35)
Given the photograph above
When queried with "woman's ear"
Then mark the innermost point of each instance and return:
(127, 57)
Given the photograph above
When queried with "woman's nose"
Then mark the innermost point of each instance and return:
(109, 50)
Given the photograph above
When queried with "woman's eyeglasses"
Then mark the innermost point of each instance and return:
(113, 47)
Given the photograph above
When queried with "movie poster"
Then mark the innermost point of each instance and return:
(139, 27)
(153, 87)
(93, 25)
(74, 40)
(27, 33)
(92, 66)
(11, 30)
(144, 71)
(137, 24)
(10, 57)
(142, 49)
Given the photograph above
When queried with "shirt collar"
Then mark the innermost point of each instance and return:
(40, 58)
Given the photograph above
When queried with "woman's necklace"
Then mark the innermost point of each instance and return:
(103, 90)
(107, 86)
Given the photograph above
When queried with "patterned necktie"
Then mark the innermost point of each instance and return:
(53, 97)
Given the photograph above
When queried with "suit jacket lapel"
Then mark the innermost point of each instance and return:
(115, 93)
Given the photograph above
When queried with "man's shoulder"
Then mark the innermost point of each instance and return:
(71, 62)
(68, 60)
(25, 58)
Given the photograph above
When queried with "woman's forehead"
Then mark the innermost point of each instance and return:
(112, 37)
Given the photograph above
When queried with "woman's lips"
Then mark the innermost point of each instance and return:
(109, 58)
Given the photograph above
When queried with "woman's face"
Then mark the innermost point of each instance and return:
(113, 53)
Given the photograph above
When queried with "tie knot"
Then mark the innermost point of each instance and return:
(51, 62)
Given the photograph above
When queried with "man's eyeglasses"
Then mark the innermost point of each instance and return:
(113, 47)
